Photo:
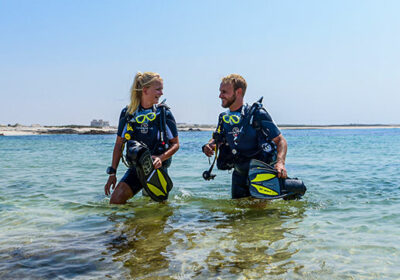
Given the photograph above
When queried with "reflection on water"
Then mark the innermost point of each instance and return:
(254, 244)
(56, 223)
(141, 240)
(224, 239)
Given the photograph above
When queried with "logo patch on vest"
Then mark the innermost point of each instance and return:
(144, 128)
(266, 147)
(235, 131)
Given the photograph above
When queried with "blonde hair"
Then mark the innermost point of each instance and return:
(236, 81)
(142, 80)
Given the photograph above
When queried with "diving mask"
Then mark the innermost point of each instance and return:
(149, 116)
(231, 118)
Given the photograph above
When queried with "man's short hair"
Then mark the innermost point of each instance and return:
(236, 81)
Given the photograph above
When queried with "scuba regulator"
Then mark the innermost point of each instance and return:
(219, 139)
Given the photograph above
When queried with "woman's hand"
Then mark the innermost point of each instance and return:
(111, 182)
(157, 162)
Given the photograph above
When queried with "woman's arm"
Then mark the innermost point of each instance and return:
(116, 157)
(174, 147)
(117, 152)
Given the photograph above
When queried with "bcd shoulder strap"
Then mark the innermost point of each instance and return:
(163, 123)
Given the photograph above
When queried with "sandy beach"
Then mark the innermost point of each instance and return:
(15, 130)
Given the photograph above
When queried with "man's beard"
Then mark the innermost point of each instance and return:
(229, 102)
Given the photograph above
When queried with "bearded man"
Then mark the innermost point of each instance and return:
(245, 133)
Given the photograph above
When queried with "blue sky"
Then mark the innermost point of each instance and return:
(315, 62)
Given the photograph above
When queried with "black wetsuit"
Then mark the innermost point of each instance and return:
(147, 132)
(251, 143)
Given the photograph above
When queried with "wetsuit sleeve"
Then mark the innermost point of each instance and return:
(266, 123)
(172, 130)
(122, 122)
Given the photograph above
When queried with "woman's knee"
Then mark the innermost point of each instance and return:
(121, 194)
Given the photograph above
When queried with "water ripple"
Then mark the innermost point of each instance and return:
(56, 222)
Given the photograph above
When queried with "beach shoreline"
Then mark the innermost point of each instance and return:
(15, 130)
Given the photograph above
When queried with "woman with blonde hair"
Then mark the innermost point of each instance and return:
(142, 122)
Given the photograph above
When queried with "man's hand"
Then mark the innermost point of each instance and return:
(111, 182)
(157, 162)
(280, 168)
(281, 148)
(208, 149)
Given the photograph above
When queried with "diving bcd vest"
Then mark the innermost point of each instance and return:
(266, 149)
(133, 124)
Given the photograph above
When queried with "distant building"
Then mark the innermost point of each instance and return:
(99, 123)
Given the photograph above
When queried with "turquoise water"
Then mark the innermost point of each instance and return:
(56, 222)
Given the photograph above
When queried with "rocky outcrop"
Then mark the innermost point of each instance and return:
(95, 132)
(59, 131)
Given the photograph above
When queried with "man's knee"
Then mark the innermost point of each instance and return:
(240, 187)
(240, 192)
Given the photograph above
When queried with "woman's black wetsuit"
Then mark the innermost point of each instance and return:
(148, 132)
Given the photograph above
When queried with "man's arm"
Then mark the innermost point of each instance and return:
(209, 148)
(281, 147)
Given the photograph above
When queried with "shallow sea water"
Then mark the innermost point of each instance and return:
(56, 222)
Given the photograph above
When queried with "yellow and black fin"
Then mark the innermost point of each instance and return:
(158, 185)
(264, 183)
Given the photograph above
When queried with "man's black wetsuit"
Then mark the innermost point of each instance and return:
(148, 132)
(254, 142)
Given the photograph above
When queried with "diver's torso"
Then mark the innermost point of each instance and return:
(147, 132)
(245, 143)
